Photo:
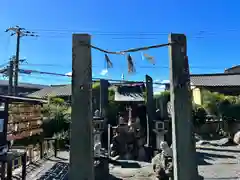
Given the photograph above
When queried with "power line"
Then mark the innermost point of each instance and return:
(65, 33)
(97, 79)
(121, 33)
(105, 33)
(46, 65)
(46, 78)
(115, 36)
(139, 67)
(30, 72)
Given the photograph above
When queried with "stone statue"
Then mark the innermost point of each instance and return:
(236, 138)
(162, 163)
(97, 113)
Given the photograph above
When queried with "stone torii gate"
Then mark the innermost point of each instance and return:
(81, 140)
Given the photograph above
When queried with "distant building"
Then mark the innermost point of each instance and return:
(227, 83)
(224, 83)
(234, 69)
(23, 88)
(63, 91)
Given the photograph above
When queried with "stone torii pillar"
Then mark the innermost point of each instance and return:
(81, 139)
(184, 152)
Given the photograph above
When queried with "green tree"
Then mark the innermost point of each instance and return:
(56, 117)
(212, 102)
(199, 115)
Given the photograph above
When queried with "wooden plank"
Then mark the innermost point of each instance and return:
(184, 153)
(81, 140)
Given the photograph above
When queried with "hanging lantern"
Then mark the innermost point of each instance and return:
(131, 67)
(109, 63)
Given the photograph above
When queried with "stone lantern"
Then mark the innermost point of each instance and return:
(159, 130)
(98, 128)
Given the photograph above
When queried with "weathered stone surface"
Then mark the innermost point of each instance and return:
(236, 138)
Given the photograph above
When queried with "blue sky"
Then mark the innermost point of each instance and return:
(212, 28)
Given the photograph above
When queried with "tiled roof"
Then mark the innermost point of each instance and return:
(135, 97)
(55, 90)
(215, 79)
(25, 85)
(64, 90)
(233, 69)
(129, 93)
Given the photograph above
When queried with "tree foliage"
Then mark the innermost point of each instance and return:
(226, 107)
(58, 114)
(199, 115)
(56, 117)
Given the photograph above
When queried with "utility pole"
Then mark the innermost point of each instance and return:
(81, 140)
(184, 152)
(150, 109)
(19, 32)
(10, 77)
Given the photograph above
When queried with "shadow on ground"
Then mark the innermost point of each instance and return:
(30, 168)
(203, 156)
(111, 177)
(130, 165)
(201, 159)
(57, 159)
(58, 171)
(125, 164)
(220, 150)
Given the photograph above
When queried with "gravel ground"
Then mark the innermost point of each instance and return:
(215, 162)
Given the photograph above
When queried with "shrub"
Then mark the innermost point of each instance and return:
(199, 115)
